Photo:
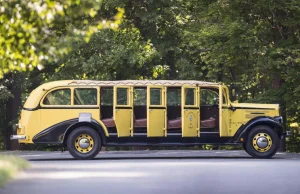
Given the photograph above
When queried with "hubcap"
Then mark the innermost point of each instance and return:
(84, 143)
(262, 142)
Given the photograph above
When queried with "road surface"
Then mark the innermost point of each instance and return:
(158, 172)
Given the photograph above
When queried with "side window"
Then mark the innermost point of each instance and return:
(190, 96)
(208, 97)
(140, 97)
(58, 97)
(85, 96)
(155, 96)
(174, 97)
(107, 94)
(122, 96)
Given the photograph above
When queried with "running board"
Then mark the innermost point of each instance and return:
(164, 144)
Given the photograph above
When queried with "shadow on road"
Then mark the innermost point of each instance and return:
(159, 158)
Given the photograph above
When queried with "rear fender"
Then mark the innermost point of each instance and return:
(93, 124)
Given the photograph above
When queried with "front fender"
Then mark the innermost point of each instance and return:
(244, 129)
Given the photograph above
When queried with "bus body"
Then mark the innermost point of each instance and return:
(85, 115)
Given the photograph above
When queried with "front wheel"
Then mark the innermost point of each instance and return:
(84, 143)
(262, 142)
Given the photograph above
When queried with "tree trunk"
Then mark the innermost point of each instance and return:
(169, 58)
(12, 107)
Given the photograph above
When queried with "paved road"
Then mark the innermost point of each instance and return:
(143, 172)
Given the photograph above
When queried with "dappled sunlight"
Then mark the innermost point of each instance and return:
(126, 165)
(77, 175)
(31, 155)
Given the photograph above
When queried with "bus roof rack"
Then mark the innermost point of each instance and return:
(143, 83)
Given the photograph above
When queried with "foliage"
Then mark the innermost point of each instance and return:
(9, 165)
(252, 46)
(33, 32)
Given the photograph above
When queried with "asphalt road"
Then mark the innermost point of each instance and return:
(143, 172)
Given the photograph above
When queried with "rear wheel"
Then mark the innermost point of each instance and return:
(84, 143)
(262, 142)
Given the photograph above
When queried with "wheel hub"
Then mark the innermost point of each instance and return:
(84, 143)
(262, 142)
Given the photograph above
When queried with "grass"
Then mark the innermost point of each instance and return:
(9, 166)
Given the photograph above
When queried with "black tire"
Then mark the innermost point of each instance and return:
(244, 146)
(76, 133)
(249, 147)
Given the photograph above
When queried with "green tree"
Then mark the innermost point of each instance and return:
(33, 32)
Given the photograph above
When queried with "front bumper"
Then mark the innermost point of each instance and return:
(12, 137)
(288, 133)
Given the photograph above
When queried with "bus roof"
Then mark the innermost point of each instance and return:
(39, 91)
(63, 83)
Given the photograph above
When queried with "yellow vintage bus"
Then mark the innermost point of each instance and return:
(85, 115)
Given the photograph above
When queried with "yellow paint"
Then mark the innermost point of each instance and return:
(29, 125)
(156, 123)
(242, 116)
(225, 124)
(123, 114)
(156, 114)
(190, 116)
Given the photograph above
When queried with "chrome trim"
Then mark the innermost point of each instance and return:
(12, 137)
(84, 143)
(278, 119)
(262, 142)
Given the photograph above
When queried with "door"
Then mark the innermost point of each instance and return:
(225, 112)
(123, 111)
(190, 111)
(156, 111)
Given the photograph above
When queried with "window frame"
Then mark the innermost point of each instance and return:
(162, 94)
(129, 96)
(72, 97)
(85, 105)
(196, 96)
(225, 93)
(52, 90)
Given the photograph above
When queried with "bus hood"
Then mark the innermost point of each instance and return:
(255, 106)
